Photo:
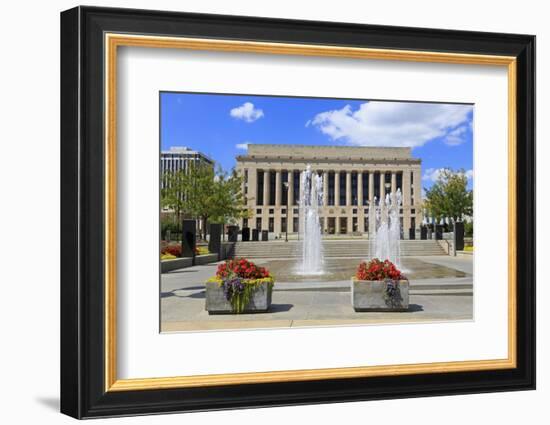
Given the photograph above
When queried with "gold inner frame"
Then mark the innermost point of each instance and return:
(113, 41)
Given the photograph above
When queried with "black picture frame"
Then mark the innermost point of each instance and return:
(83, 392)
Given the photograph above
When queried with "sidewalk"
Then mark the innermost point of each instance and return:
(298, 304)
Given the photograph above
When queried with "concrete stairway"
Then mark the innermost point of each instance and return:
(332, 249)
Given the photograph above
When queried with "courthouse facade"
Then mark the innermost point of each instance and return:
(352, 178)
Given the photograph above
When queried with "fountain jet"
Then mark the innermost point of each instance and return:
(385, 240)
(311, 190)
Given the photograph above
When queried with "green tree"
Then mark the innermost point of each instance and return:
(449, 195)
(206, 194)
(229, 202)
(172, 194)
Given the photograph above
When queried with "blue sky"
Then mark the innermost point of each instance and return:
(221, 126)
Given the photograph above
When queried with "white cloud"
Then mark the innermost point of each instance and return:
(455, 137)
(392, 123)
(247, 112)
(242, 146)
(432, 174)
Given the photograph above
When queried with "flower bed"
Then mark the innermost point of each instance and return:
(173, 249)
(379, 286)
(239, 286)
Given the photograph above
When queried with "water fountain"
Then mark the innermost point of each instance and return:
(311, 190)
(385, 240)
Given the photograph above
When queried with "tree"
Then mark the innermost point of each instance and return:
(449, 195)
(228, 203)
(203, 193)
(172, 194)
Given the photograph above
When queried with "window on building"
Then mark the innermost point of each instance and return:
(377, 184)
(399, 180)
(245, 222)
(271, 224)
(296, 184)
(342, 188)
(354, 225)
(295, 225)
(365, 184)
(331, 188)
(284, 189)
(258, 210)
(259, 223)
(354, 211)
(283, 211)
(271, 211)
(283, 224)
(366, 223)
(387, 180)
(260, 189)
(296, 211)
(354, 193)
(246, 175)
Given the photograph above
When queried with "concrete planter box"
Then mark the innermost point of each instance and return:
(216, 303)
(369, 295)
(174, 264)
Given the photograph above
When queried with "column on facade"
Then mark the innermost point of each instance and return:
(371, 187)
(337, 190)
(252, 186)
(360, 188)
(417, 196)
(393, 181)
(406, 200)
(290, 202)
(266, 188)
(360, 208)
(290, 191)
(382, 185)
(348, 188)
(325, 188)
(278, 187)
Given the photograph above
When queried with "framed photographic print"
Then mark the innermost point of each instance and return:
(261, 212)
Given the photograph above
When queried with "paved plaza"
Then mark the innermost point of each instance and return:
(441, 290)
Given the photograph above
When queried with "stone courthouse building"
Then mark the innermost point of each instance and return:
(352, 177)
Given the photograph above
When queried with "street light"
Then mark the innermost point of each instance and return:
(285, 184)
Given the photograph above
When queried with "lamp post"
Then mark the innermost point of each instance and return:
(285, 185)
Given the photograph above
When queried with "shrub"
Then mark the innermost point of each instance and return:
(469, 229)
(201, 250)
(174, 250)
(378, 270)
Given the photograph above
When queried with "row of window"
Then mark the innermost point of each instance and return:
(331, 196)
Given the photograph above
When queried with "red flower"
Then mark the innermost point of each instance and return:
(378, 270)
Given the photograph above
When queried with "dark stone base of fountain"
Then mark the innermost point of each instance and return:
(370, 295)
(216, 303)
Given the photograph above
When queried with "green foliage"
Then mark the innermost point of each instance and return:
(469, 229)
(263, 280)
(204, 193)
(449, 196)
(169, 224)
